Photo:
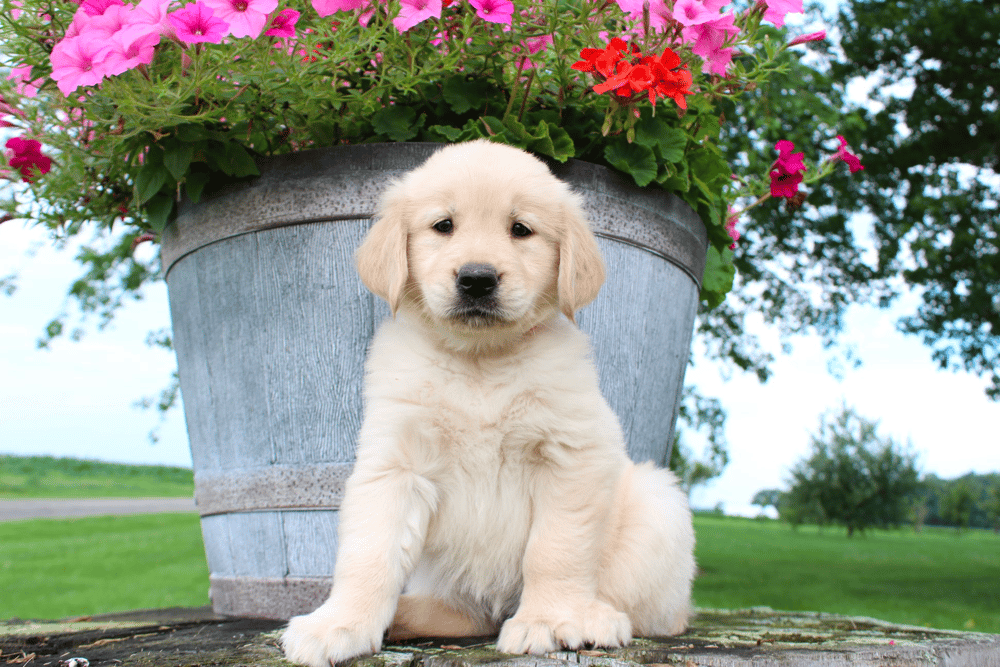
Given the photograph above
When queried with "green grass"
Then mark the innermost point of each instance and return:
(59, 568)
(936, 578)
(48, 477)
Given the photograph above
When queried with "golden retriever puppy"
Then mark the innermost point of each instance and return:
(492, 491)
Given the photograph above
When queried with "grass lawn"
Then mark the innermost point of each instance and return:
(48, 477)
(936, 578)
(74, 567)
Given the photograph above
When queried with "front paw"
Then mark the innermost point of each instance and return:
(320, 639)
(594, 624)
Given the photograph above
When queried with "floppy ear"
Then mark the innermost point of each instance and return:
(581, 269)
(381, 258)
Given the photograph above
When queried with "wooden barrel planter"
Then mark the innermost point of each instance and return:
(271, 325)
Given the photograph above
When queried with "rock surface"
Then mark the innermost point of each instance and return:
(746, 638)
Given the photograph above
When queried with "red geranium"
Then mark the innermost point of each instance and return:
(634, 74)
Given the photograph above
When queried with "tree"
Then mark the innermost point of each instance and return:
(698, 413)
(852, 476)
(931, 141)
(767, 498)
(956, 507)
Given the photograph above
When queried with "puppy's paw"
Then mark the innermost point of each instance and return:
(320, 639)
(522, 634)
(596, 624)
(603, 625)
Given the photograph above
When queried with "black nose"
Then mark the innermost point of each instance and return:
(477, 280)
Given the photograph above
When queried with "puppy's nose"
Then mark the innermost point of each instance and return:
(477, 280)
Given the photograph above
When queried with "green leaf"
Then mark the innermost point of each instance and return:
(158, 211)
(668, 142)
(177, 159)
(675, 177)
(634, 159)
(452, 134)
(399, 123)
(236, 161)
(718, 278)
(148, 182)
(552, 141)
(464, 94)
(192, 133)
(195, 183)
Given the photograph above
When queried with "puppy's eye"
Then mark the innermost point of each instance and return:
(520, 230)
(444, 226)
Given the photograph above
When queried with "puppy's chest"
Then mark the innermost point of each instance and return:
(498, 419)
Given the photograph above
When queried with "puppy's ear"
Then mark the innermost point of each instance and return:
(581, 269)
(381, 259)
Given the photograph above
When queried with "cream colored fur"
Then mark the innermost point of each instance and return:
(492, 491)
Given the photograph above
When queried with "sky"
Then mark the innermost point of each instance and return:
(78, 398)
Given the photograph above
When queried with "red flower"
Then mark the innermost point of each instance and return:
(26, 156)
(786, 173)
(632, 74)
(852, 160)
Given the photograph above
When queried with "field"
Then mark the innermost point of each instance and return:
(48, 477)
(60, 568)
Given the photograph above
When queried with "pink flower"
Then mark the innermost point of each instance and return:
(811, 37)
(78, 61)
(196, 23)
(731, 228)
(692, 12)
(98, 7)
(283, 24)
(22, 76)
(131, 50)
(708, 40)
(26, 156)
(776, 9)
(852, 160)
(786, 173)
(327, 7)
(412, 12)
(152, 15)
(494, 11)
(246, 18)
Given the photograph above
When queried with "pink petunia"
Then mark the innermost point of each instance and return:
(786, 172)
(131, 49)
(852, 160)
(327, 7)
(692, 12)
(708, 40)
(98, 7)
(246, 18)
(776, 10)
(24, 84)
(734, 234)
(412, 12)
(195, 23)
(25, 155)
(78, 61)
(151, 16)
(494, 11)
(283, 24)
(818, 36)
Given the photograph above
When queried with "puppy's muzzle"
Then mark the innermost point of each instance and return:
(476, 288)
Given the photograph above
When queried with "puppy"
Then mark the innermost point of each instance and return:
(492, 491)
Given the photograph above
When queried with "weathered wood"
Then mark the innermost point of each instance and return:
(747, 638)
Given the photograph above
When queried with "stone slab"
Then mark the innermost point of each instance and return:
(757, 637)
